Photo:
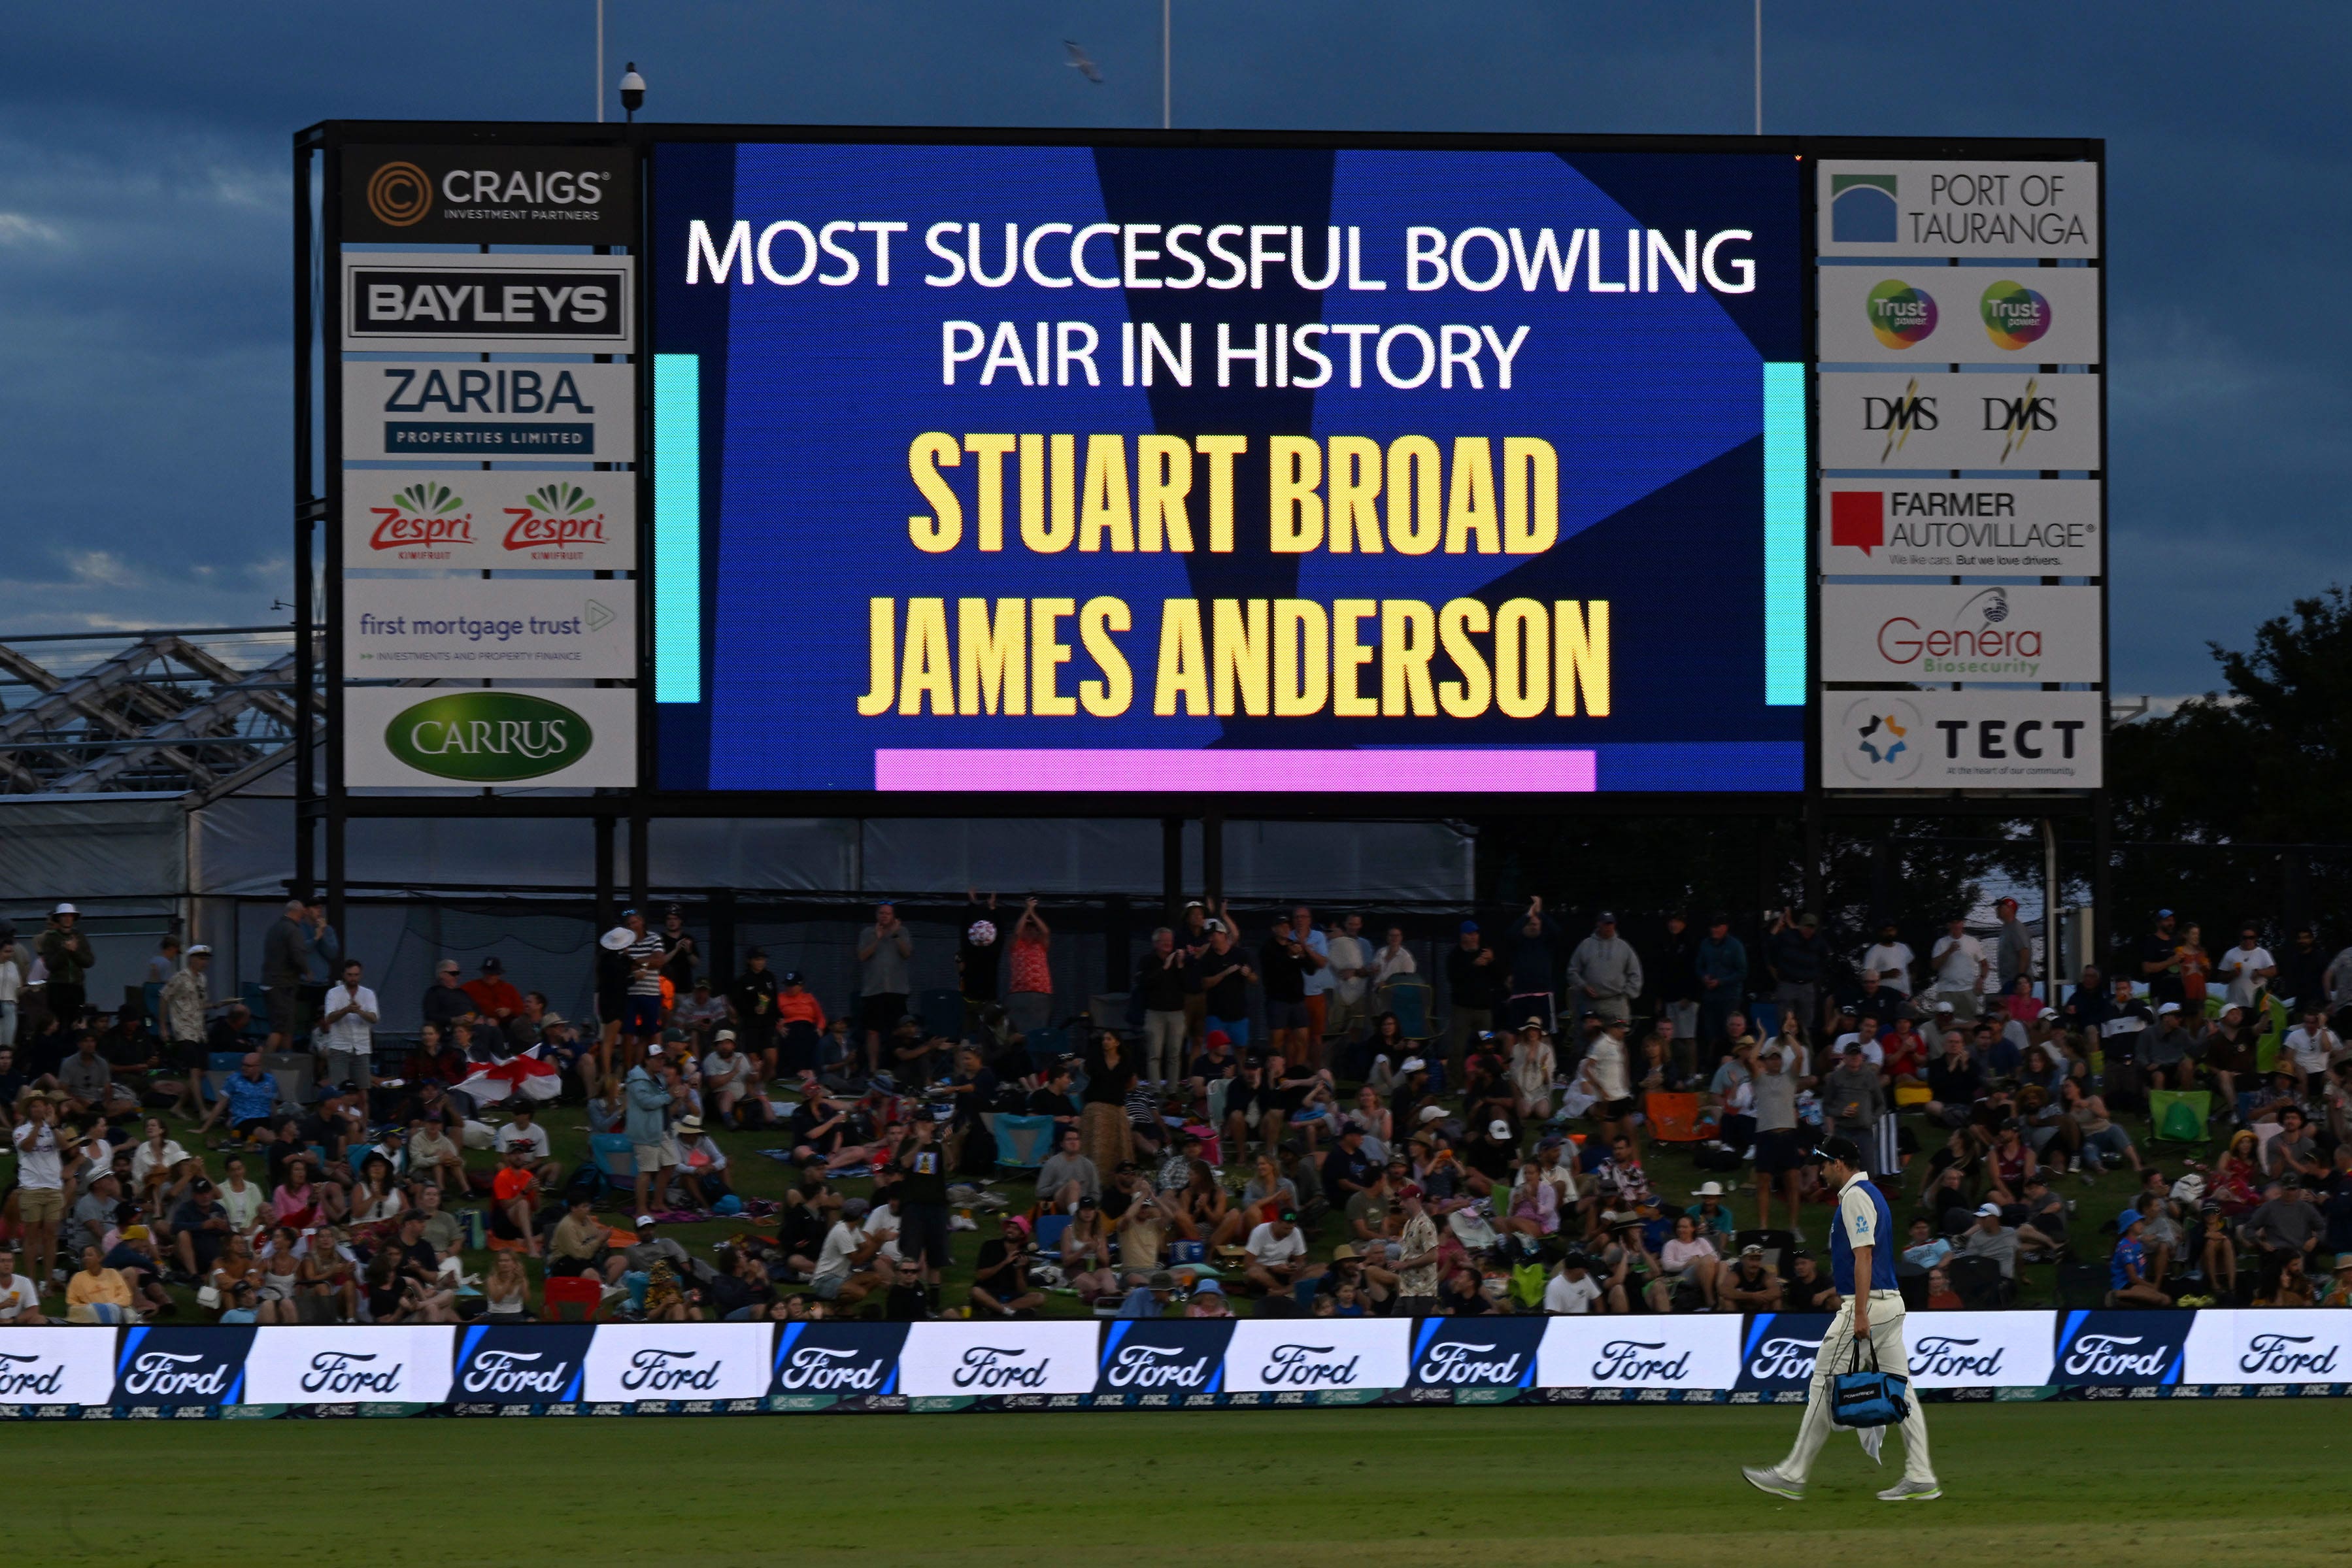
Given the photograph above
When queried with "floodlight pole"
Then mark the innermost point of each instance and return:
(1166, 66)
(1759, 65)
(600, 60)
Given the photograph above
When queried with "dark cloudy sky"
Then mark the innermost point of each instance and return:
(144, 237)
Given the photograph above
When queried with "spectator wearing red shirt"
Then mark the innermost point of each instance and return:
(494, 994)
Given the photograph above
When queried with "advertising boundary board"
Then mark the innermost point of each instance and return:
(727, 1369)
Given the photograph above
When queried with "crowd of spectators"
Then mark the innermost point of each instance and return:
(1287, 1116)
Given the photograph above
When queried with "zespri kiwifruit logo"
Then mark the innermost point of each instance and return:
(1901, 313)
(488, 736)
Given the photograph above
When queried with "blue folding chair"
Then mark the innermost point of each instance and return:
(1024, 1142)
(613, 1157)
(1409, 999)
(1044, 1044)
(1049, 1233)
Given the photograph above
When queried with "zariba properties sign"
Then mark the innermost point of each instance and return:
(471, 737)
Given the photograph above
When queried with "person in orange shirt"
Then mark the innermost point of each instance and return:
(494, 994)
(800, 1018)
(516, 1187)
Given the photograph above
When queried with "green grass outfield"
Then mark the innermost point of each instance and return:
(2079, 1484)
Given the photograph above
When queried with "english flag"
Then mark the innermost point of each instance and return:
(528, 1074)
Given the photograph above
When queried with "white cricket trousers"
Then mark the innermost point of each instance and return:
(1837, 1356)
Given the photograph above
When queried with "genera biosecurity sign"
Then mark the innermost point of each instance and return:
(508, 196)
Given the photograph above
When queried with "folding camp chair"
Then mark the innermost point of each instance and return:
(1409, 999)
(1024, 1142)
(1672, 1118)
(572, 1299)
(614, 1157)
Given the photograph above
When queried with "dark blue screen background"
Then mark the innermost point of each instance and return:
(809, 395)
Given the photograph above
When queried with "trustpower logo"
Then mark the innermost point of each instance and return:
(488, 736)
(2014, 315)
(1902, 314)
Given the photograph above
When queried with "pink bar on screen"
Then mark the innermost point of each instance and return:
(1500, 771)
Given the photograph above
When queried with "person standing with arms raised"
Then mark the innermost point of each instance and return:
(1862, 1252)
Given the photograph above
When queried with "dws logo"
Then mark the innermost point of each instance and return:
(1899, 416)
(2016, 417)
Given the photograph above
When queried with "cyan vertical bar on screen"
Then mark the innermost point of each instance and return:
(678, 528)
(1784, 535)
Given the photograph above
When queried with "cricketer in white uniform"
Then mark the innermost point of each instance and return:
(1861, 1248)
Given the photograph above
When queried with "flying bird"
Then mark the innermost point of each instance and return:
(1080, 63)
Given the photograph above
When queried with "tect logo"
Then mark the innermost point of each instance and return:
(421, 518)
(1899, 416)
(2014, 315)
(1864, 209)
(488, 736)
(1901, 314)
(400, 194)
(1882, 749)
(553, 518)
